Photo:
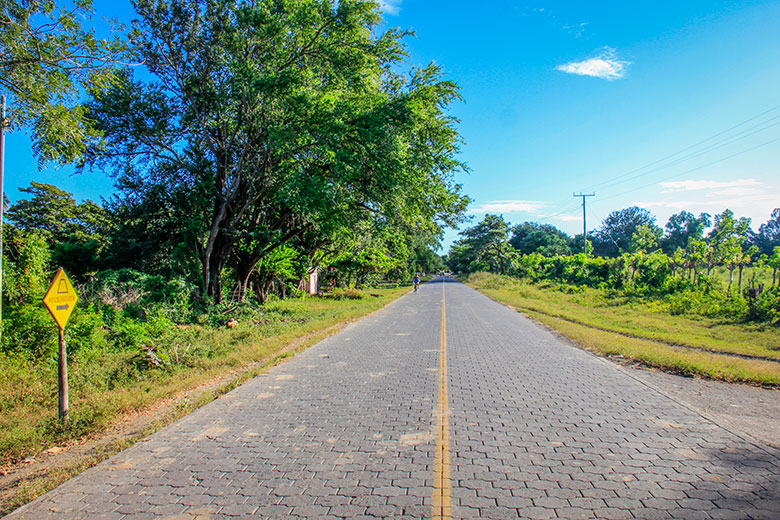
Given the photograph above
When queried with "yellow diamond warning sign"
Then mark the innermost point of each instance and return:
(60, 298)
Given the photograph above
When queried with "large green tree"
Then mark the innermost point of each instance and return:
(276, 118)
(614, 236)
(484, 246)
(545, 239)
(681, 228)
(78, 234)
(47, 57)
(768, 236)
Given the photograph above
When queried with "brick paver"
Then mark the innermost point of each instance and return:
(347, 429)
(581, 438)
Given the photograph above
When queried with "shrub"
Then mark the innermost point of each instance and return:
(349, 294)
(767, 306)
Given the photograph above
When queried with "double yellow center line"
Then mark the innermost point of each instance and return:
(442, 490)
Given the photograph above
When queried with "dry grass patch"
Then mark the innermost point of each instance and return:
(641, 332)
(105, 386)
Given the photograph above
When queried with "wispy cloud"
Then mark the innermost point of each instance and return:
(737, 192)
(392, 7)
(569, 218)
(508, 206)
(738, 202)
(672, 204)
(605, 65)
(577, 29)
(692, 185)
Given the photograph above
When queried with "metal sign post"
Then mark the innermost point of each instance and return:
(60, 299)
(62, 379)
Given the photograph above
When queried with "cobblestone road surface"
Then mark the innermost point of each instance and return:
(349, 429)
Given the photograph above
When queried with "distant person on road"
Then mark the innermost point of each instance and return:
(416, 282)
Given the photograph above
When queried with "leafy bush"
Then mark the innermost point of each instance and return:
(648, 276)
(86, 330)
(349, 294)
(767, 306)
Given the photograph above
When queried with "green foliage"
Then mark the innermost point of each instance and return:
(79, 234)
(681, 228)
(616, 233)
(28, 328)
(290, 117)
(767, 306)
(768, 236)
(683, 282)
(87, 330)
(349, 293)
(46, 58)
(25, 271)
(484, 247)
(547, 240)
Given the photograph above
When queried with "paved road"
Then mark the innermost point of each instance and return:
(362, 425)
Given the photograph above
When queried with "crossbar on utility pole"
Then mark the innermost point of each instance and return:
(584, 227)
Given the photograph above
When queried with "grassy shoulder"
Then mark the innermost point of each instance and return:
(107, 386)
(644, 332)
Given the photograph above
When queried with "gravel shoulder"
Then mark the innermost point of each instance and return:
(750, 410)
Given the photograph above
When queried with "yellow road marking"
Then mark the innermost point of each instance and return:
(442, 491)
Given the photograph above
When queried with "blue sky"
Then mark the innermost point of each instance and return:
(666, 105)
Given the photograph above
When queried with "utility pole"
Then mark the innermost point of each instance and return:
(584, 227)
(2, 198)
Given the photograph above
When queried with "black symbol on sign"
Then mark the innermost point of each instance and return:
(62, 288)
(62, 307)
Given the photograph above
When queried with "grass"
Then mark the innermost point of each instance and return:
(107, 385)
(643, 332)
(763, 275)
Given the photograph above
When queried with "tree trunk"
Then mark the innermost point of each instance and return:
(739, 279)
(215, 283)
(243, 275)
(731, 277)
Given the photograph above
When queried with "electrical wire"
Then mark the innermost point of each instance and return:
(712, 148)
(694, 153)
(690, 147)
(694, 169)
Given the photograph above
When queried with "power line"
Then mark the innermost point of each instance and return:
(714, 147)
(696, 168)
(729, 140)
(687, 147)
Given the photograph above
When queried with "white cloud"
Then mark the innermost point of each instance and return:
(604, 65)
(692, 185)
(392, 7)
(737, 192)
(569, 218)
(508, 206)
(675, 204)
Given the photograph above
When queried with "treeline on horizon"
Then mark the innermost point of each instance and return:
(629, 253)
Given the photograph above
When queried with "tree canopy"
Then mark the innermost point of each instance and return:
(270, 120)
(47, 58)
(768, 236)
(546, 239)
(681, 228)
(617, 230)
